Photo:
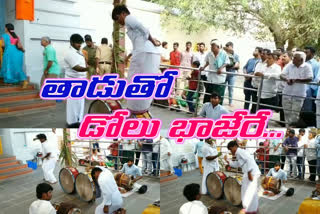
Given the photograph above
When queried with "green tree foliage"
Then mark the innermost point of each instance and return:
(292, 22)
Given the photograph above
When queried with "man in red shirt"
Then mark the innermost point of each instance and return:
(114, 148)
(193, 85)
(175, 55)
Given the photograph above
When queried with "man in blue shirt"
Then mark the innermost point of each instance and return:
(130, 169)
(290, 146)
(249, 69)
(213, 109)
(198, 150)
(312, 90)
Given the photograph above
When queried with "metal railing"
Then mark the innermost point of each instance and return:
(258, 91)
(148, 166)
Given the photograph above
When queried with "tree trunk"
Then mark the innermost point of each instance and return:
(67, 146)
(279, 41)
(291, 44)
(118, 45)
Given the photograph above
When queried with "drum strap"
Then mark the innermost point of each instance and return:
(269, 181)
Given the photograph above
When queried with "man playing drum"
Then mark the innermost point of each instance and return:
(43, 205)
(210, 162)
(278, 174)
(145, 54)
(130, 169)
(112, 199)
(251, 174)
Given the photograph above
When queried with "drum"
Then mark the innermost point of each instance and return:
(123, 181)
(145, 115)
(67, 179)
(232, 189)
(271, 184)
(104, 106)
(214, 182)
(85, 187)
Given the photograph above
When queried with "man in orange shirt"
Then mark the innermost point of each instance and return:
(175, 55)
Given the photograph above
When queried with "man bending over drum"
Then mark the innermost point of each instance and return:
(130, 169)
(112, 199)
(278, 174)
(192, 194)
(210, 162)
(43, 205)
(251, 174)
(145, 54)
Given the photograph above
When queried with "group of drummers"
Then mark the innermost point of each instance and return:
(272, 183)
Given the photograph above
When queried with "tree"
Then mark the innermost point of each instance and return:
(291, 22)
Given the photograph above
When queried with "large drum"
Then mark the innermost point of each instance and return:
(67, 179)
(85, 187)
(123, 181)
(232, 189)
(215, 182)
(271, 184)
(145, 115)
(104, 106)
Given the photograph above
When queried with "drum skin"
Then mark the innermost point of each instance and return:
(104, 106)
(232, 189)
(85, 187)
(67, 179)
(123, 181)
(215, 182)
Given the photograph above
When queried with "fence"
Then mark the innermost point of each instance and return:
(258, 91)
(150, 159)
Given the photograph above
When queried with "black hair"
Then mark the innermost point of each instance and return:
(188, 43)
(302, 130)
(130, 159)
(289, 53)
(292, 131)
(41, 136)
(10, 28)
(190, 191)
(312, 50)
(229, 44)
(196, 63)
(87, 38)
(261, 143)
(259, 49)
(215, 95)
(267, 51)
(117, 10)
(202, 43)
(76, 38)
(104, 41)
(277, 164)
(93, 172)
(232, 144)
(43, 188)
(164, 44)
(176, 43)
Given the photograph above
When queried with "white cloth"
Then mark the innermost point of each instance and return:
(301, 144)
(211, 59)
(109, 190)
(259, 67)
(165, 53)
(41, 207)
(142, 63)
(49, 164)
(139, 35)
(165, 147)
(208, 165)
(249, 193)
(293, 72)
(193, 207)
(75, 108)
(201, 57)
(271, 73)
(311, 152)
(246, 162)
(292, 107)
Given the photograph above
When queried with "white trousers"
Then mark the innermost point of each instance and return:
(292, 107)
(48, 166)
(142, 63)
(206, 171)
(147, 161)
(249, 194)
(318, 114)
(75, 111)
(117, 203)
(166, 163)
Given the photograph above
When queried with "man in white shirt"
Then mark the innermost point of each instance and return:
(112, 199)
(75, 67)
(311, 155)
(186, 61)
(217, 60)
(165, 54)
(145, 54)
(165, 155)
(194, 206)
(270, 72)
(43, 205)
(49, 158)
(301, 153)
(210, 162)
(294, 92)
(251, 174)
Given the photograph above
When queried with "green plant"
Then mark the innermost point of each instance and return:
(67, 157)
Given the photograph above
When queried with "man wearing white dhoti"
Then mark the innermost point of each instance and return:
(75, 67)
(209, 161)
(49, 158)
(43, 205)
(166, 155)
(251, 174)
(145, 54)
(112, 199)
